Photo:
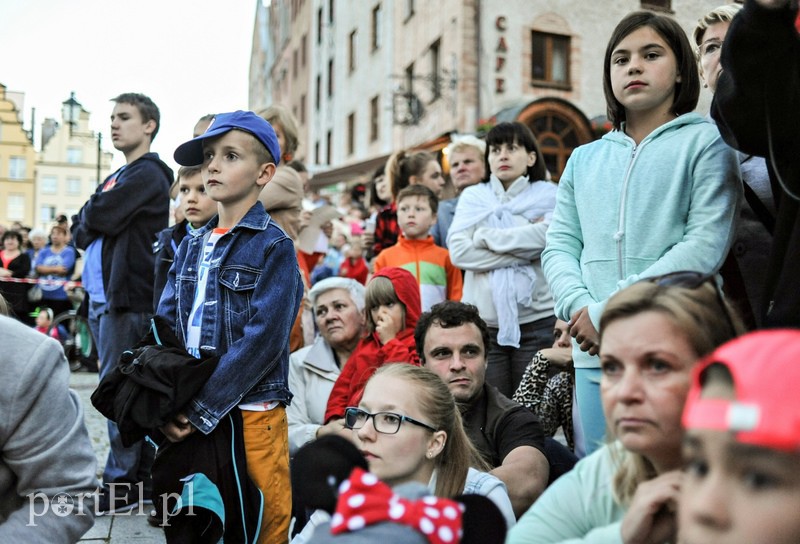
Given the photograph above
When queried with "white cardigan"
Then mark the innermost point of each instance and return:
(312, 373)
(479, 249)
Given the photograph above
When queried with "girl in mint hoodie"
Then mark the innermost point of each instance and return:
(657, 194)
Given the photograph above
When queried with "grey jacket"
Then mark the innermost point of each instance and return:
(47, 467)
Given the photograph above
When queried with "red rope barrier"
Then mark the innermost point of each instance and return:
(68, 284)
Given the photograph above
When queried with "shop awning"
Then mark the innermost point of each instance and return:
(360, 171)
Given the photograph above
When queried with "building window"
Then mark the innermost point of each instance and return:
(319, 25)
(294, 64)
(409, 13)
(351, 133)
(74, 155)
(316, 152)
(376, 27)
(302, 109)
(550, 60)
(658, 5)
(16, 168)
(47, 214)
(318, 93)
(15, 209)
(330, 11)
(329, 150)
(559, 128)
(351, 52)
(330, 78)
(73, 186)
(436, 84)
(303, 51)
(374, 118)
(410, 78)
(49, 185)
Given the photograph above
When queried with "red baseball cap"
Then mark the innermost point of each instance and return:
(765, 367)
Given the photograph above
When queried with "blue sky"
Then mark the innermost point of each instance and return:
(191, 56)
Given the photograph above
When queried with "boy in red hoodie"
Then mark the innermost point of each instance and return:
(392, 308)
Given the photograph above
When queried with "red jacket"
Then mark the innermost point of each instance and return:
(370, 354)
(355, 270)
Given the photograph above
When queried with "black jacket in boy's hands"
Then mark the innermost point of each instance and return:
(151, 384)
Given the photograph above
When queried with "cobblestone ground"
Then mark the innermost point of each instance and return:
(128, 528)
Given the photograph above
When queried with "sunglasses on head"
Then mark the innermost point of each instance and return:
(689, 279)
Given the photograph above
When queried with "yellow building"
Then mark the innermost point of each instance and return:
(70, 164)
(17, 162)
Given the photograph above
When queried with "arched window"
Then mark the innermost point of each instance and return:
(559, 127)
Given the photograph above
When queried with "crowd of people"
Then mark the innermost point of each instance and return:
(609, 358)
(28, 255)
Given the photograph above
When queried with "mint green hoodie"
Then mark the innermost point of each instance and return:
(625, 212)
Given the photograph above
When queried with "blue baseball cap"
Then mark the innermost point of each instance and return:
(191, 153)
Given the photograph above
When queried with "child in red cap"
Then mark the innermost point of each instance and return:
(742, 445)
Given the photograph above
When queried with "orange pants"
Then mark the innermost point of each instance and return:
(266, 444)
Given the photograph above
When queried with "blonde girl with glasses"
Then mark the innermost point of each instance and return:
(409, 429)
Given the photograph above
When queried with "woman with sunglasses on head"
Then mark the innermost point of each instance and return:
(651, 335)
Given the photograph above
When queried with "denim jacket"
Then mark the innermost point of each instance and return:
(252, 298)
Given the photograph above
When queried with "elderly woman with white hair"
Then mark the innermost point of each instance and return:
(338, 306)
(467, 167)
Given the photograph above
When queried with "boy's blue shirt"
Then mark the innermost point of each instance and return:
(252, 298)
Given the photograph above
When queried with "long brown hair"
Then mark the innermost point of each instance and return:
(687, 90)
(404, 164)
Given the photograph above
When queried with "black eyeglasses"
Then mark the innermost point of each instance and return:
(689, 279)
(384, 422)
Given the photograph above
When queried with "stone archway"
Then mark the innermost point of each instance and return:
(559, 127)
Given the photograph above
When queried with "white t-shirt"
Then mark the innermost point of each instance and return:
(193, 326)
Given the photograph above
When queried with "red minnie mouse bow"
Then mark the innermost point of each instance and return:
(365, 500)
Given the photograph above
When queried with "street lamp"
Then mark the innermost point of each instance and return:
(71, 111)
(99, 154)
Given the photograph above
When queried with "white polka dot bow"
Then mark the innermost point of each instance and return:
(364, 500)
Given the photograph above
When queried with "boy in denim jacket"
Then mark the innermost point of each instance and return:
(234, 290)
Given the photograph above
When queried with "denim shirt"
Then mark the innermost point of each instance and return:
(252, 298)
